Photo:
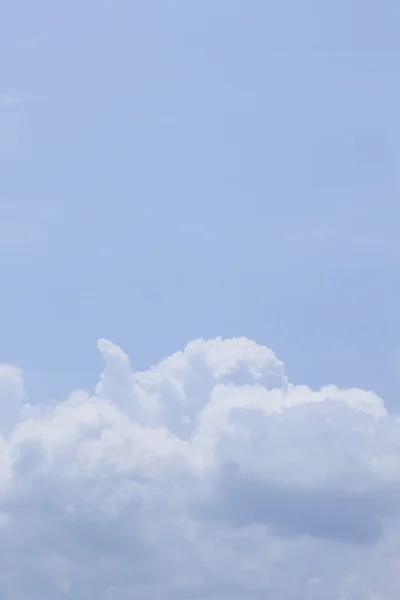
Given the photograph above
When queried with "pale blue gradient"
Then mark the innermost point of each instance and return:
(177, 169)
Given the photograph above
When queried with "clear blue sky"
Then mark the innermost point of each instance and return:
(172, 169)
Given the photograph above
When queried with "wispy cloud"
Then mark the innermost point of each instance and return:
(7, 98)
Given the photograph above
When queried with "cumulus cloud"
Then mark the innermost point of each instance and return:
(11, 395)
(209, 476)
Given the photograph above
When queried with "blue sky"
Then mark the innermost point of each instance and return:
(171, 170)
(177, 170)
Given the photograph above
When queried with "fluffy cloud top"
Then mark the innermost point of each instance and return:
(209, 476)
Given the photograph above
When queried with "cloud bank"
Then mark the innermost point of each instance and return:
(209, 476)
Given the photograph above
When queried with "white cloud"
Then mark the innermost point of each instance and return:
(209, 476)
(11, 395)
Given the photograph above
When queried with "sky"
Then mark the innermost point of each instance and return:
(179, 171)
